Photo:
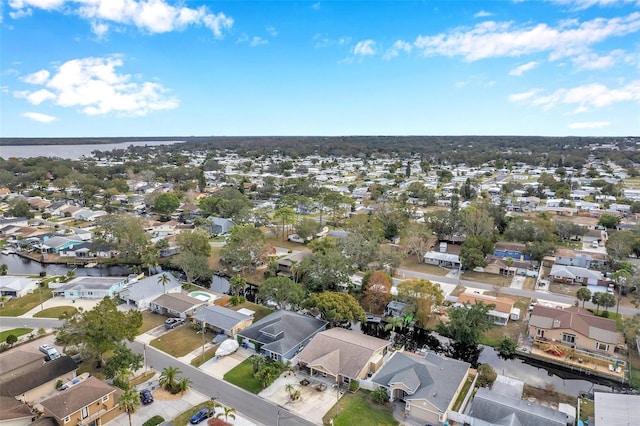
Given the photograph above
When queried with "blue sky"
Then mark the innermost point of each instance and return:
(161, 67)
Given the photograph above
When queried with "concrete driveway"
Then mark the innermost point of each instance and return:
(168, 409)
(518, 281)
(312, 405)
(218, 367)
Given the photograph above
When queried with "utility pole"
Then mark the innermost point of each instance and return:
(204, 328)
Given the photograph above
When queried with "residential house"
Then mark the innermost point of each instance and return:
(574, 327)
(396, 309)
(343, 355)
(223, 320)
(33, 385)
(429, 386)
(577, 275)
(11, 286)
(492, 407)
(445, 260)
(219, 225)
(15, 413)
(56, 243)
(176, 305)
(282, 334)
(142, 293)
(615, 409)
(20, 359)
(579, 258)
(286, 265)
(89, 287)
(500, 314)
(516, 251)
(509, 268)
(89, 402)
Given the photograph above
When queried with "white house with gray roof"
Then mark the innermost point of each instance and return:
(89, 287)
(222, 320)
(11, 286)
(142, 293)
(429, 386)
(282, 334)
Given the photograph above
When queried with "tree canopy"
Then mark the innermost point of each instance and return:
(335, 307)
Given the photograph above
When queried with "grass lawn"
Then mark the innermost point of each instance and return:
(242, 375)
(60, 312)
(587, 408)
(411, 263)
(484, 277)
(183, 418)
(463, 393)
(634, 369)
(259, 310)
(289, 245)
(208, 354)
(356, 409)
(150, 321)
(181, 341)
(21, 305)
(142, 378)
(16, 332)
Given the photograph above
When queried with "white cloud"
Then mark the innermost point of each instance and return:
(321, 40)
(153, 16)
(482, 14)
(42, 118)
(585, 4)
(93, 85)
(100, 29)
(521, 69)
(504, 39)
(272, 31)
(519, 97)
(365, 48)
(21, 13)
(593, 61)
(398, 46)
(258, 41)
(38, 77)
(585, 98)
(590, 125)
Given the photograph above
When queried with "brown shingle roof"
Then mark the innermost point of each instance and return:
(340, 351)
(503, 304)
(576, 319)
(177, 301)
(34, 378)
(72, 400)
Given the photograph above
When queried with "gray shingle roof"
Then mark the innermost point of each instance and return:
(34, 378)
(91, 283)
(177, 302)
(148, 287)
(294, 328)
(220, 317)
(438, 377)
(503, 410)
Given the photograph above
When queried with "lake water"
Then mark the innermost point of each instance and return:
(71, 152)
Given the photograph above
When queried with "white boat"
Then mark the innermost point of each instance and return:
(227, 347)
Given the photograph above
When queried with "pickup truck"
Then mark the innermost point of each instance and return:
(171, 323)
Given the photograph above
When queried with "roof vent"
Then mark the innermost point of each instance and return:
(435, 394)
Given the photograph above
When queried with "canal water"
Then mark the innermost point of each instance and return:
(17, 265)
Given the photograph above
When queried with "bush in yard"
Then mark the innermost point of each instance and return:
(380, 396)
(486, 375)
(507, 348)
(354, 385)
(153, 421)
(11, 339)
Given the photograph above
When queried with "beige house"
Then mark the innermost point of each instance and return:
(90, 402)
(575, 327)
(429, 386)
(343, 355)
(499, 314)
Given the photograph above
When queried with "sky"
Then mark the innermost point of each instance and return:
(88, 68)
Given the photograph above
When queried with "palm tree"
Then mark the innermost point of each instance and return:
(182, 385)
(164, 280)
(237, 284)
(228, 412)
(169, 377)
(289, 389)
(129, 402)
(394, 322)
(583, 294)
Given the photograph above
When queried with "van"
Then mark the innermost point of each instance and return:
(50, 352)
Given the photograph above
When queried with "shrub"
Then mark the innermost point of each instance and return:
(59, 384)
(237, 300)
(153, 421)
(507, 348)
(486, 375)
(354, 385)
(11, 339)
(379, 396)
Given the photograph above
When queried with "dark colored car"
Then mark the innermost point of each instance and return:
(145, 397)
(171, 323)
(201, 415)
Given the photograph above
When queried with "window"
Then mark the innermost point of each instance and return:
(569, 338)
(602, 346)
(85, 412)
(67, 419)
(540, 333)
(105, 398)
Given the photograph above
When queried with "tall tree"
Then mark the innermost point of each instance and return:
(246, 248)
(465, 326)
(583, 294)
(129, 402)
(195, 242)
(237, 284)
(326, 270)
(125, 231)
(417, 240)
(285, 216)
(101, 328)
(335, 307)
(166, 203)
(377, 292)
(476, 222)
(164, 279)
(282, 290)
(423, 295)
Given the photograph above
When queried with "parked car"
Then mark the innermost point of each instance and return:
(171, 323)
(145, 397)
(201, 415)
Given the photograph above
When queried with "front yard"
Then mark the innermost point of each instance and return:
(150, 321)
(181, 341)
(21, 305)
(242, 376)
(357, 409)
(487, 278)
(59, 312)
